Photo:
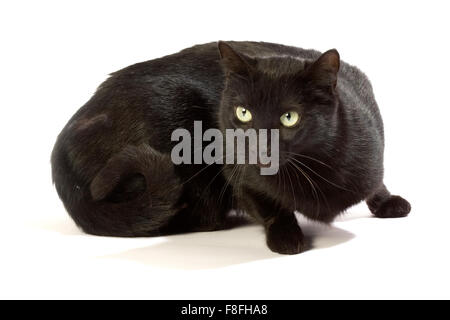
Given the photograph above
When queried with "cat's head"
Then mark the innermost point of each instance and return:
(298, 97)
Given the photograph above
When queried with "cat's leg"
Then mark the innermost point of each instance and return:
(384, 205)
(283, 234)
(135, 194)
(207, 200)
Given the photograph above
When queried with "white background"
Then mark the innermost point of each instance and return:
(53, 56)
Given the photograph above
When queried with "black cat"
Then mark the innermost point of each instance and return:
(111, 163)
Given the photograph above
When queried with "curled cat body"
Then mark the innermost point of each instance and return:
(112, 168)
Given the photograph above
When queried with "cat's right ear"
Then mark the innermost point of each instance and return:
(234, 62)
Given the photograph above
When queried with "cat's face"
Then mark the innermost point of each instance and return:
(296, 97)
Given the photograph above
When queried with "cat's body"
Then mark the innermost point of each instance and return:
(111, 163)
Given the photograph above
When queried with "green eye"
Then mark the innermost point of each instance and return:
(289, 119)
(243, 114)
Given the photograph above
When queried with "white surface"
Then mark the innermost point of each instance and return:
(55, 54)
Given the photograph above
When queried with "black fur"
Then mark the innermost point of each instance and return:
(111, 164)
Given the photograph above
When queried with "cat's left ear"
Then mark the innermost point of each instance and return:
(325, 69)
(235, 62)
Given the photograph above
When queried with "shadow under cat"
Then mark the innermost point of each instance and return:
(218, 249)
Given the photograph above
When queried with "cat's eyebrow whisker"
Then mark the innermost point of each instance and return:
(198, 107)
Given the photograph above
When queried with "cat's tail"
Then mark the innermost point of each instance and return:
(134, 194)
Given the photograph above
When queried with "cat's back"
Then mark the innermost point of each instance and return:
(203, 60)
(196, 77)
(194, 66)
(201, 63)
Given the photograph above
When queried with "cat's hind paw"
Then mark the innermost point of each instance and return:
(393, 207)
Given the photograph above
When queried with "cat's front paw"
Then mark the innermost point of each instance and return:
(394, 207)
(286, 239)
